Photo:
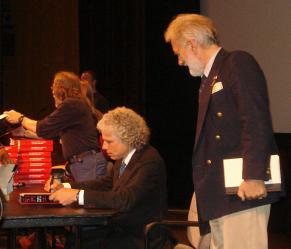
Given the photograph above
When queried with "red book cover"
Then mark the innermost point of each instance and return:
(34, 159)
(32, 142)
(11, 149)
(30, 181)
(35, 148)
(34, 170)
(36, 165)
(30, 176)
(34, 154)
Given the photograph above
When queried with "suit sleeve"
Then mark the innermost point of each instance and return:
(142, 182)
(251, 96)
(104, 183)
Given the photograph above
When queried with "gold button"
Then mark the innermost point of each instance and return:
(217, 137)
(208, 162)
(219, 114)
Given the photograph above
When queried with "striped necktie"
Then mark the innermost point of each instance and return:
(122, 168)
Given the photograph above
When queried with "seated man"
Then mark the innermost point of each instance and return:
(136, 186)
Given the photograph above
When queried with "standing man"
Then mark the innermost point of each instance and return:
(136, 187)
(101, 103)
(234, 121)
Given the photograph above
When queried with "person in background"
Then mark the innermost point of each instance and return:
(73, 122)
(101, 103)
(234, 121)
(87, 91)
(136, 187)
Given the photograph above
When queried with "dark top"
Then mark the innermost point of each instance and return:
(233, 122)
(139, 194)
(101, 103)
(73, 122)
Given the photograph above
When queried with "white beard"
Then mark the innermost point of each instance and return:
(196, 68)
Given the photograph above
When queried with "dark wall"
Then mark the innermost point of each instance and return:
(112, 45)
(171, 95)
(124, 44)
(38, 38)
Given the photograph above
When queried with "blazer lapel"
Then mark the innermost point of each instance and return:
(203, 105)
(127, 172)
(206, 94)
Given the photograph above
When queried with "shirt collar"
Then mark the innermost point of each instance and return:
(210, 63)
(129, 156)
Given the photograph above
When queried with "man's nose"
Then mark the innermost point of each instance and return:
(104, 146)
(181, 62)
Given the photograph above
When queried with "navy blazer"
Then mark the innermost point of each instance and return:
(139, 194)
(233, 121)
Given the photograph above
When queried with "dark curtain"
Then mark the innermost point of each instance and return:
(112, 45)
(38, 38)
(171, 96)
(122, 41)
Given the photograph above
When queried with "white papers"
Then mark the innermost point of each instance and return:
(2, 116)
(233, 174)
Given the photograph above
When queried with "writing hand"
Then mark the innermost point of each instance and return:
(52, 187)
(64, 196)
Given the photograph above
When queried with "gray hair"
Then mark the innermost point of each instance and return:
(129, 126)
(185, 27)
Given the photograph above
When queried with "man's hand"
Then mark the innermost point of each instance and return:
(252, 189)
(12, 116)
(52, 187)
(65, 196)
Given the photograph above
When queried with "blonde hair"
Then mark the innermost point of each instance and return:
(129, 126)
(186, 27)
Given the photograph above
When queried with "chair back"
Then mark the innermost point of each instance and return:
(158, 236)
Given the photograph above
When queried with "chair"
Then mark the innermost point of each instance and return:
(164, 228)
(176, 219)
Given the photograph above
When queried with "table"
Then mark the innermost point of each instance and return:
(16, 215)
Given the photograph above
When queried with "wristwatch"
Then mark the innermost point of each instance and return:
(20, 119)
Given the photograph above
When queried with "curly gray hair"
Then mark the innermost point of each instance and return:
(129, 126)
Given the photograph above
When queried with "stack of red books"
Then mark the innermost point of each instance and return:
(33, 158)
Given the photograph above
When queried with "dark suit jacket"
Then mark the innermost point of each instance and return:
(233, 122)
(139, 194)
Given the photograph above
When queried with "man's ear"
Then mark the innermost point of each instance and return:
(193, 45)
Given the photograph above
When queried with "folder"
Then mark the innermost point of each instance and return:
(233, 174)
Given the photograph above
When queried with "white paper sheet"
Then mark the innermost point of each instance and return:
(233, 173)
